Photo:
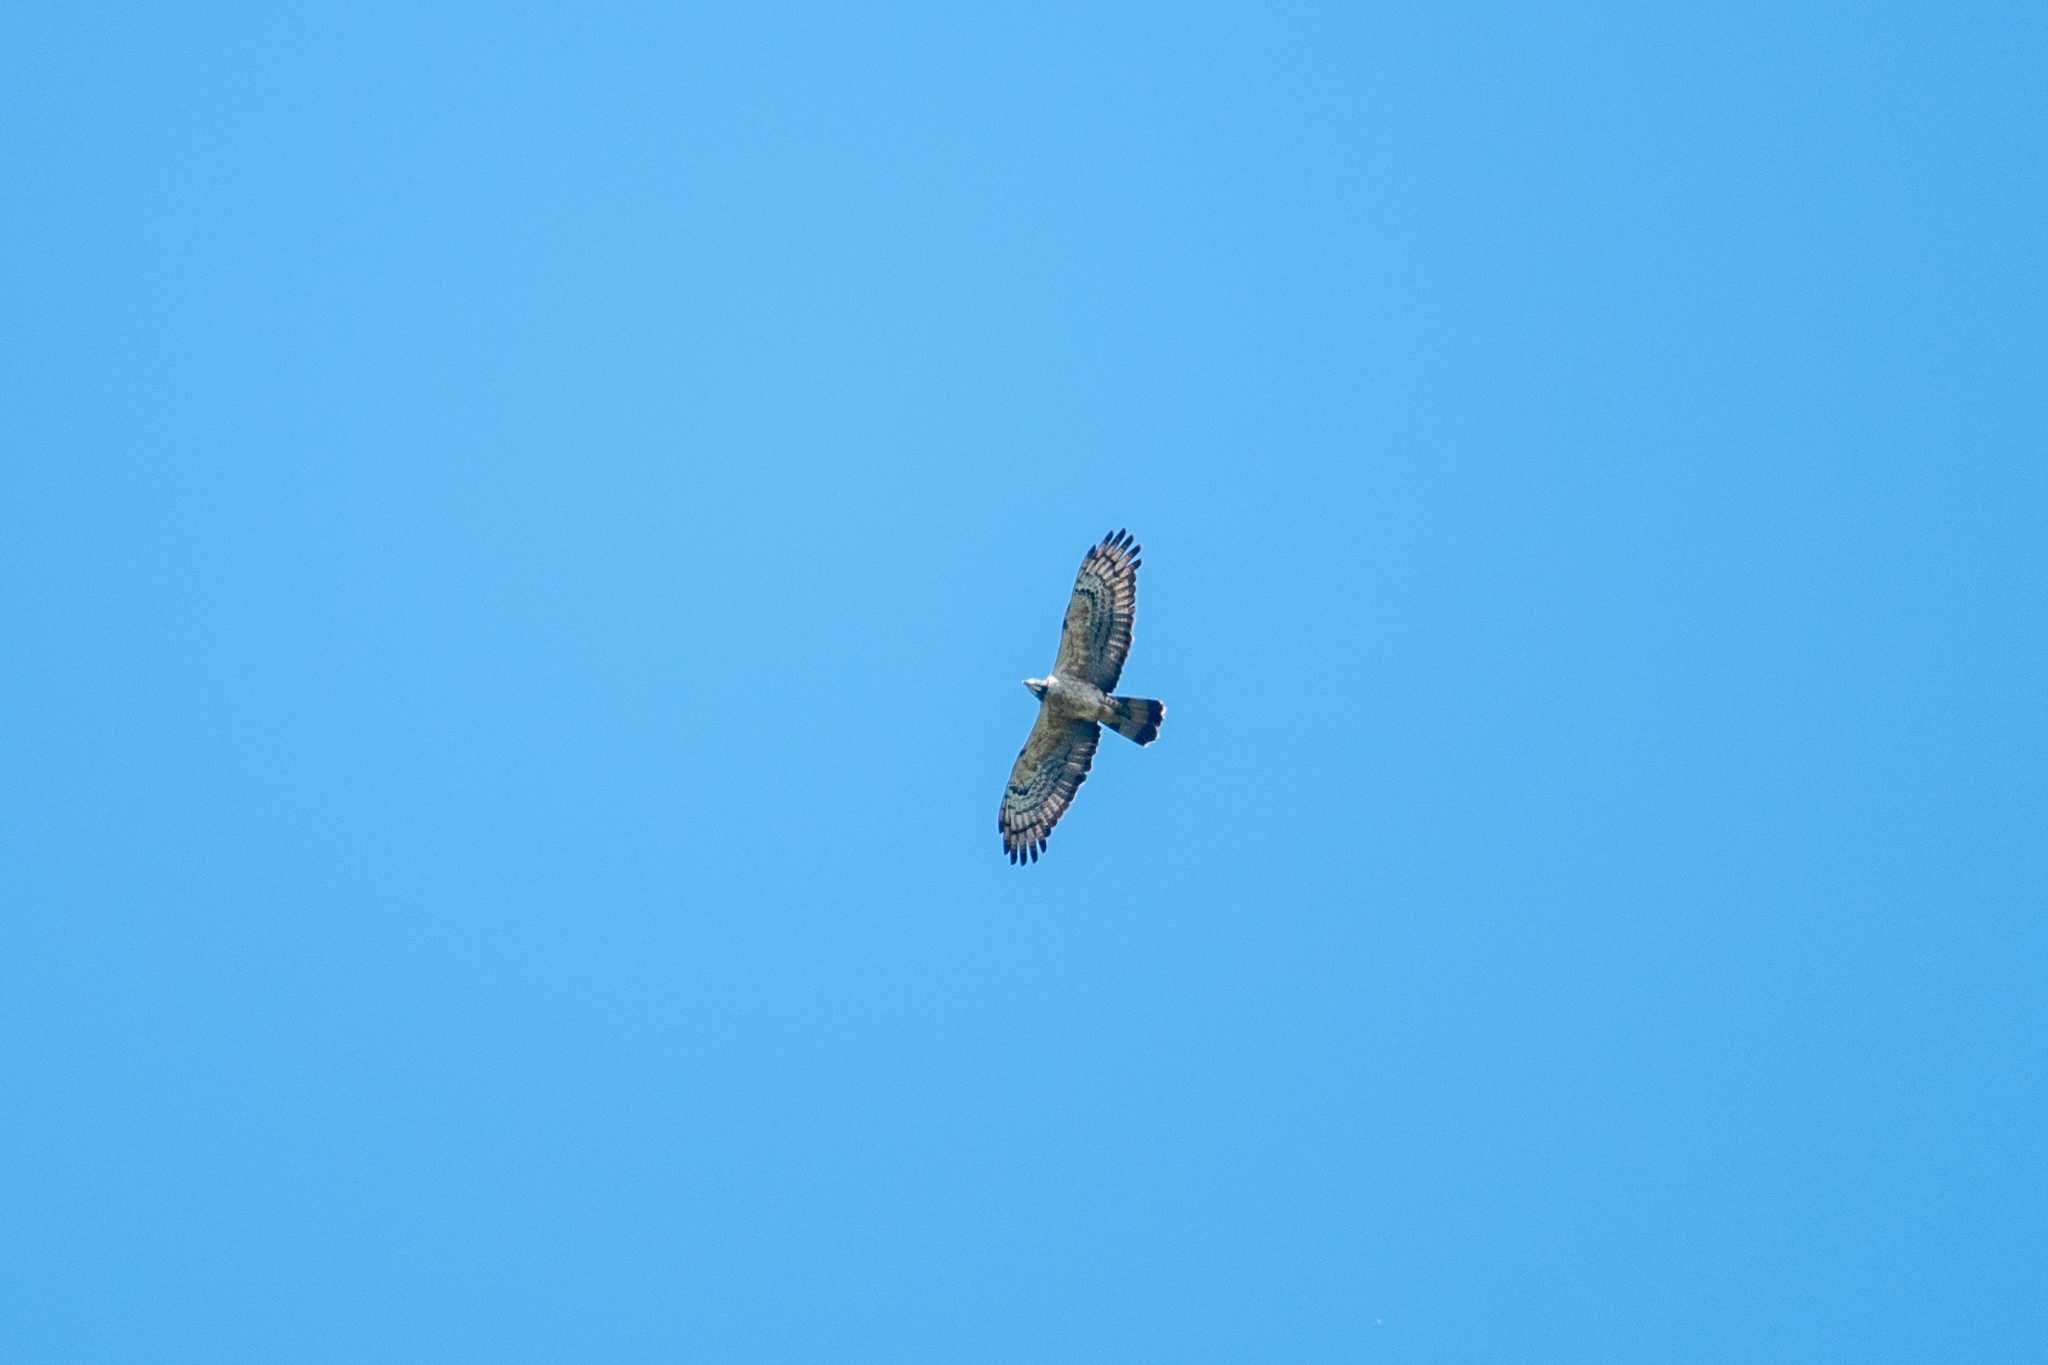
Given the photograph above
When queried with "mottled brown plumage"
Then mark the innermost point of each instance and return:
(1074, 705)
(1095, 637)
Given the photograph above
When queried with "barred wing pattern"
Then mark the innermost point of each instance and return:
(1051, 768)
(1095, 638)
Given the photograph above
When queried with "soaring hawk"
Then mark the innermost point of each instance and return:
(1074, 700)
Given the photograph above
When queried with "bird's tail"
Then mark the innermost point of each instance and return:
(1137, 718)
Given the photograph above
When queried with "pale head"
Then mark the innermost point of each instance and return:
(1037, 686)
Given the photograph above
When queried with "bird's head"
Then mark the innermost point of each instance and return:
(1037, 686)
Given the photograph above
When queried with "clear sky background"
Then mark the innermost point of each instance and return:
(523, 525)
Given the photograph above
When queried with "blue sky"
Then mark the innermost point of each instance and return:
(523, 529)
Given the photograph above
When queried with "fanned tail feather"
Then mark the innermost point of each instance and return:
(1137, 718)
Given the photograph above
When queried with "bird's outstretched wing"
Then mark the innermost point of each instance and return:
(1096, 636)
(1048, 772)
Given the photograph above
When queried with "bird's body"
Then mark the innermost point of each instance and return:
(1073, 699)
(1075, 702)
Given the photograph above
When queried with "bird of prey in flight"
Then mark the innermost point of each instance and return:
(1074, 700)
